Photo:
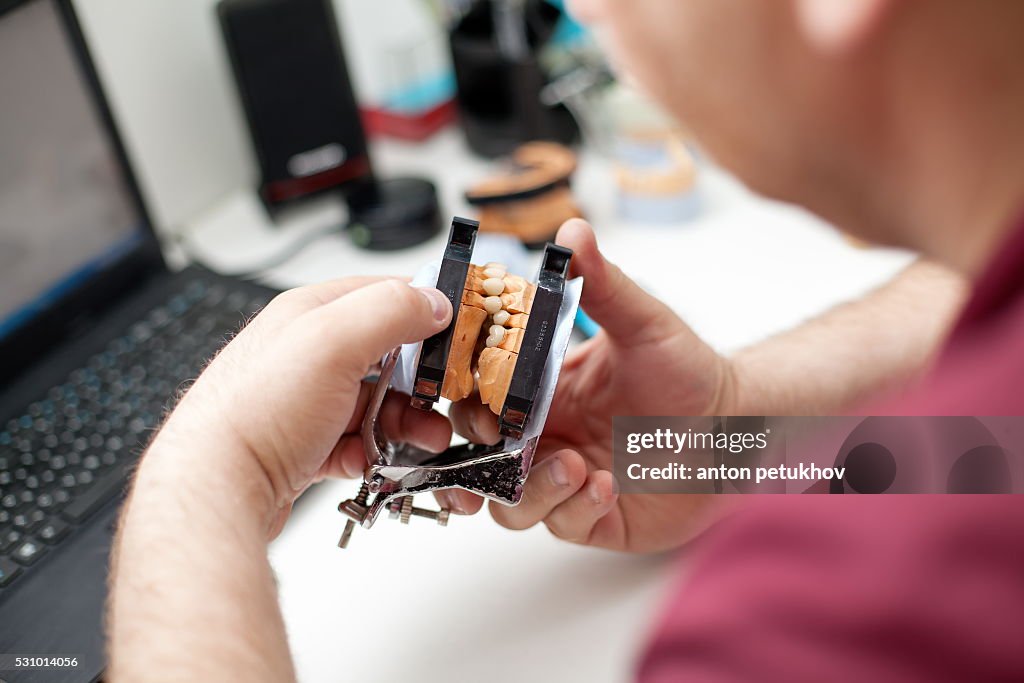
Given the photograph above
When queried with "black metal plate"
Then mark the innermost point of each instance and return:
(533, 353)
(451, 279)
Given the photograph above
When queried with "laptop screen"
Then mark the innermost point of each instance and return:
(66, 211)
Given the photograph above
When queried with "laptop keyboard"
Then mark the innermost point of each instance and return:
(71, 451)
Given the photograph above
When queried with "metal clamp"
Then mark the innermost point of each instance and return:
(397, 471)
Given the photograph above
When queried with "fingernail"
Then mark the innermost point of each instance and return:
(557, 473)
(439, 303)
(447, 499)
(594, 494)
(351, 468)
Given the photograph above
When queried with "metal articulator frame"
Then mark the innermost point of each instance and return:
(397, 471)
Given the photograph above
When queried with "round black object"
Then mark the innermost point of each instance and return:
(394, 214)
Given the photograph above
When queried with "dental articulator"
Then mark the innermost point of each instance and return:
(504, 347)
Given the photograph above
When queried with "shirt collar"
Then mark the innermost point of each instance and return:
(1000, 284)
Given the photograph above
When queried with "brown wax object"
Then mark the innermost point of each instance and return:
(531, 199)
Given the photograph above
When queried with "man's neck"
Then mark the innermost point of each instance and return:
(960, 145)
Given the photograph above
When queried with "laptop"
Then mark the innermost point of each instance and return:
(97, 339)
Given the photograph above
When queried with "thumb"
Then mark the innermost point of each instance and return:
(361, 326)
(624, 310)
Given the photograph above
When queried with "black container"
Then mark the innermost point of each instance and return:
(498, 94)
(394, 214)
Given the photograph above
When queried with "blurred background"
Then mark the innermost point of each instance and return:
(740, 266)
(292, 141)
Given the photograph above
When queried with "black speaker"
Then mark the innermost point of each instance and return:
(297, 95)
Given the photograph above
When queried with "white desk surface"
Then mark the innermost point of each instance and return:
(473, 601)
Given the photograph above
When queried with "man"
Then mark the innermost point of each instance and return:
(899, 122)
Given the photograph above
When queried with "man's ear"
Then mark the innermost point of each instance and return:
(838, 25)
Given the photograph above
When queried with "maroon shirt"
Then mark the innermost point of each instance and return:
(859, 588)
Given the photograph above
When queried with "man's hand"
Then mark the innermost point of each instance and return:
(287, 392)
(645, 361)
(193, 595)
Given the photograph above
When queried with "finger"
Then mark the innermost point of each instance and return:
(400, 423)
(347, 460)
(458, 501)
(294, 302)
(624, 310)
(329, 290)
(474, 421)
(578, 517)
(551, 482)
(351, 333)
(359, 411)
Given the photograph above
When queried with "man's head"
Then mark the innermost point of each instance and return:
(857, 109)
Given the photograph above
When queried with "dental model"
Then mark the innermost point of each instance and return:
(493, 315)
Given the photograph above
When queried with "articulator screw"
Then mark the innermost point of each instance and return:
(398, 508)
(440, 515)
(350, 525)
(402, 508)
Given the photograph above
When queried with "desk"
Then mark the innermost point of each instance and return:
(473, 601)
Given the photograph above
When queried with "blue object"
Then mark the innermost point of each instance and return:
(568, 31)
(586, 325)
(658, 209)
(423, 95)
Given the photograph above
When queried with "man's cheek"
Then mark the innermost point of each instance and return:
(630, 64)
